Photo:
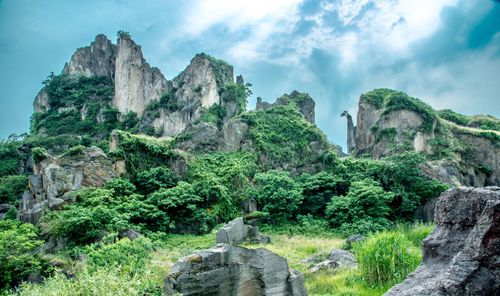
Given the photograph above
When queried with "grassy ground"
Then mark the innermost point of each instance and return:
(119, 280)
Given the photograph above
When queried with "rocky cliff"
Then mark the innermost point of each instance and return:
(462, 254)
(54, 177)
(391, 122)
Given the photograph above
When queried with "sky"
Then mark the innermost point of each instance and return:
(444, 52)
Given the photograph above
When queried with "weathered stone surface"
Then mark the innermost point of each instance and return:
(54, 177)
(202, 137)
(98, 59)
(236, 137)
(136, 83)
(462, 254)
(227, 270)
(338, 259)
(236, 231)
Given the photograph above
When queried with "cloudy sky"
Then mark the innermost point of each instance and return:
(445, 52)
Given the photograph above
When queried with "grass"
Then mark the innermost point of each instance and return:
(168, 248)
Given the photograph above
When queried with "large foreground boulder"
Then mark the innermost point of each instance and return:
(462, 254)
(228, 270)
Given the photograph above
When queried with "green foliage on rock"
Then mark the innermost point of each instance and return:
(17, 245)
(142, 152)
(155, 179)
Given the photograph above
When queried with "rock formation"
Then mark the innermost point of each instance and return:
(98, 59)
(236, 231)
(136, 83)
(462, 254)
(54, 177)
(227, 270)
(351, 132)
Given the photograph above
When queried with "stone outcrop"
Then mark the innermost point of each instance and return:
(228, 270)
(462, 156)
(462, 254)
(236, 232)
(136, 83)
(338, 259)
(351, 132)
(54, 177)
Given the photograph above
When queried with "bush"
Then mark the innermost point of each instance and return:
(11, 188)
(278, 194)
(366, 203)
(318, 190)
(154, 179)
(17, 245)
(39, 154)
(386, 258)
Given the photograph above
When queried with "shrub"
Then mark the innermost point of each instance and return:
(17, 260)
(318, 190)
(120, 187)
(366, 200)
(386, 258)
(154, 179)
(38, 154)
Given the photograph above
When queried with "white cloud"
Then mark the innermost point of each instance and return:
(259, 19)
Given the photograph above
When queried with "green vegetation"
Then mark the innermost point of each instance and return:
(79, 105)
(17, 244)
(386, 258)
(12, 187)
(485, 122)
(9, 157)
(282, 136)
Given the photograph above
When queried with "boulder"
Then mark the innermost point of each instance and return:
(228, 270)
(462, 254)
(236, 231)
(338, 259)
(130, 234)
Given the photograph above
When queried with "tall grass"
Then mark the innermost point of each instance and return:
(386, 258)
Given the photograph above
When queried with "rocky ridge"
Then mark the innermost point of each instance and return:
(390, 122)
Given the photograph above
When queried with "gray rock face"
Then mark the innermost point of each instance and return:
(202, 137)
(98, 59)
(338, 259)
(236, 231)
(227, 270)
(462, 254)
(236, 136)
(54, 177)
(136, 83)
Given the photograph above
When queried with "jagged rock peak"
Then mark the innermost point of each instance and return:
(136, 83)
(202, 80)
(98, 59)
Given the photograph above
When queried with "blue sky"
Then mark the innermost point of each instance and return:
(445, 52)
